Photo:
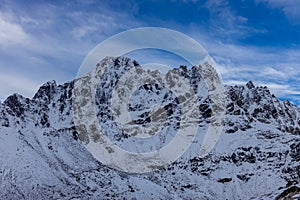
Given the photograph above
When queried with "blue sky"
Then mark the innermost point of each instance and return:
(255, 40)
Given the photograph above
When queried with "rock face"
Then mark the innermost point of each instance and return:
(42, 156)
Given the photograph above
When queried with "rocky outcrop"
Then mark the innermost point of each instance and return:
(42, 157)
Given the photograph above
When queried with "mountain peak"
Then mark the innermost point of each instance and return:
(42, 155)
(16, 103)
(46, 91)
(250, 85)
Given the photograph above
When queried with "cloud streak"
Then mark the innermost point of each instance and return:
(50, 40)
(291, 8)
(10, 33)
(49, 43)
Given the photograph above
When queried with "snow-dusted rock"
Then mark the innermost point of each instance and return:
(42, 156)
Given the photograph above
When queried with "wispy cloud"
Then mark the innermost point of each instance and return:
(277, 68)
(226, 24)
(48, 40)
(10, 83)
(11, 33)
(291, 8)
(51, 42)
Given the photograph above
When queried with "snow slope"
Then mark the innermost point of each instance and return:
(42, 156)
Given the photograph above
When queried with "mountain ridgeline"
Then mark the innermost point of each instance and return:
(42, 156)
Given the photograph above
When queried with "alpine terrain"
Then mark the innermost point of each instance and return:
(42, 155)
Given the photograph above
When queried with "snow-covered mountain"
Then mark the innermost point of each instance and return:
(42, 155)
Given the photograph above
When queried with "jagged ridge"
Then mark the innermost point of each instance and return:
(260, 140)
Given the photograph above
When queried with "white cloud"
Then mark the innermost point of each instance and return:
(91, 23)
(49, 43)
(59, 37)
(11, 33)
(12, 83)
(234, 82)
(281, 90)
(291, 8)
(225, 23)
(269, 71)
(279, 69)
(82, 31)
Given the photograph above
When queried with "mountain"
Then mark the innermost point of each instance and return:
(43, 157)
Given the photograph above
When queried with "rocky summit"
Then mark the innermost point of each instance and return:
(43, 157)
